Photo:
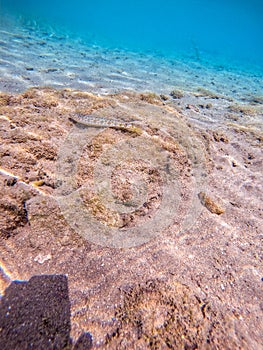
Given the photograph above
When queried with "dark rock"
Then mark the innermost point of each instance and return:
(84, 342)
(36, 314)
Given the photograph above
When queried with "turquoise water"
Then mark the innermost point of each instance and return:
(111, 46)
(229, 31)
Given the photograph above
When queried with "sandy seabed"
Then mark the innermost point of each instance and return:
(197, 284)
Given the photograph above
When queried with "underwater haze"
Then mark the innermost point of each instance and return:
(227, 31)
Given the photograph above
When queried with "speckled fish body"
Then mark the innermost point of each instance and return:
(98, 122)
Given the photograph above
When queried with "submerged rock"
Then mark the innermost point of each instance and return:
(210, 204)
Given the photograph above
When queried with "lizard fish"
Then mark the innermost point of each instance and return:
(99, 122)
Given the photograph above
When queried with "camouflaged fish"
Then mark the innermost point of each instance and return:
(99, 122)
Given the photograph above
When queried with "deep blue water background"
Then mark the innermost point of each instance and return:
(228, 31)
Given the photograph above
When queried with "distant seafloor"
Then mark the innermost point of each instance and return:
(36, 51)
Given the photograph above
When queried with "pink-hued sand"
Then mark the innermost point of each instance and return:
(198, 283)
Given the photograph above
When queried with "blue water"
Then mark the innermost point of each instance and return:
(230, 32)
(111, 46)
